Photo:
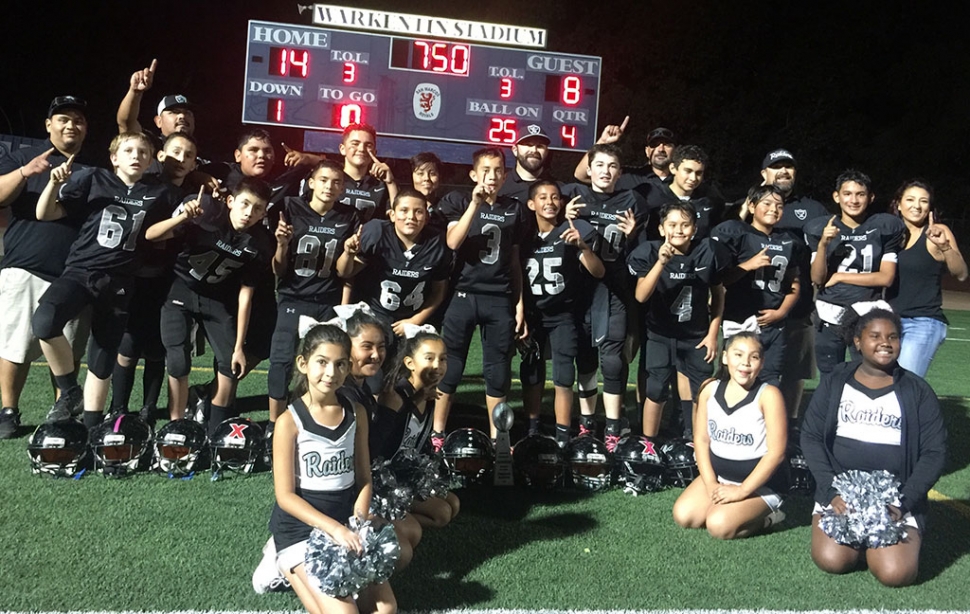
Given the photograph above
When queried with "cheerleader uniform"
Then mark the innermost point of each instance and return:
(325, 478)
(405, 429)
(738, 441)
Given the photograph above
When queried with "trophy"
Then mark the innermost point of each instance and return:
(503, 417)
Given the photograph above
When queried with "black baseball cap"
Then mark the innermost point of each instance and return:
(534, 131)
(172, 101)
(62, 103)
(660, 135)
(776, 156)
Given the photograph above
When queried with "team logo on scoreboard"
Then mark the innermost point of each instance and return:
(427, 101)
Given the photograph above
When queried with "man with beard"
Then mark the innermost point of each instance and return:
(531, 153)
(778, 169)
(656, 172)
(35, 250)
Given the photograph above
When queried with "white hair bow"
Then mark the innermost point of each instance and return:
(307, 323)
(730, 328)
(345, 312)
(411, 330)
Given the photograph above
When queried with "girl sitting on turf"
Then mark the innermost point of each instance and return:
(869, 416)
(406, 419)
(740, 434)
(319, 425)
(368, 336)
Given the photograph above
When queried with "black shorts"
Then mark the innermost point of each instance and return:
(494, 314)
(557, 336)
(665, 356)
(216, 316)
(143, 335)
(602, 340)
(108, 294)
(286, 338)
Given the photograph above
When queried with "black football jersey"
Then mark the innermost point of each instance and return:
(113, 234)
(518, 188)
(708, 206)
(215, 259)
(634, 177)
(396, 282)
(483, 262)
(40, 248)
(797, 212)
(552, 269)
(763, 288)
(316, 244)
(369, 196)
(856, 250)
(680, 305)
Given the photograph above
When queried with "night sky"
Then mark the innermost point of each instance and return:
(880, 86)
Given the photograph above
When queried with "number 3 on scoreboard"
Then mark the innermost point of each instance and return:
(502, 131)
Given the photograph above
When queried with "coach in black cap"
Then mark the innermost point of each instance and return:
(34, 251)
(531, 153)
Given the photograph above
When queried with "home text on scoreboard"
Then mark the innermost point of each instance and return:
(422, 88)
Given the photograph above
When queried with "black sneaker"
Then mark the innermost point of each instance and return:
(70, 404)
(199, 403)
(114, 413)
(9, 422)
(147, 413)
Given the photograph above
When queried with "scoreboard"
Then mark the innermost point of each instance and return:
(422, 88)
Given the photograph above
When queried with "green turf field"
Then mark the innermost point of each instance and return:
(148, 543)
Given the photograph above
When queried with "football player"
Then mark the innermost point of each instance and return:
(553, 257)
(98, 271)
(762, 287)
(310, 237)
(679, 281)
(853, 262)
(779, 169)
(35, 251)
(153, 278)
(219, 265)
(687, 167)
(485, 231)
(614, 214)
(401, 271)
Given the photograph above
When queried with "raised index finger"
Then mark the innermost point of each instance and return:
(70, 161)
(626, 120)
(286, 147)
(373, 157)
(151, 69)
(201, 190)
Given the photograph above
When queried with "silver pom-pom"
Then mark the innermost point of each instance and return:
(426, 476)
(391, 499)
(338, 572)
(866, 523)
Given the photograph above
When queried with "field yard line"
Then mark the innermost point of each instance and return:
(518, 611)
(955, 339)
(963, 508)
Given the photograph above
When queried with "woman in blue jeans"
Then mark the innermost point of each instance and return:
(916, 295)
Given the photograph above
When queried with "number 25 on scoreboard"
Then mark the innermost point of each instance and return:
(502, 130)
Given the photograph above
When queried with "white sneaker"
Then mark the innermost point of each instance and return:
(267, 577)
(776, 517)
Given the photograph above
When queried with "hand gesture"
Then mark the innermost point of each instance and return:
(573, 207)
(284, 231)
(480, 194)
(626, 223)
(379, 169)
(830, 231)
(63, 172)
(665, 254)
(572, 237)
(193, 208)
(612, 133)
(38, 165)
(352, 244)
(348, 539)
(293, 157)
(759, 260)
(936, 233)
(141, 80)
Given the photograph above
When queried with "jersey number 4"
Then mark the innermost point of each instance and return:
(391, 296)
(202, 263)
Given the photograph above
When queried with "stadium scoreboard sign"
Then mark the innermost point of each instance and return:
(416, 87)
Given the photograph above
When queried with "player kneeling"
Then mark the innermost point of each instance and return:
(740, 449)
(552, 261)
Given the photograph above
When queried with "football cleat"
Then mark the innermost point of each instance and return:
(68, 405)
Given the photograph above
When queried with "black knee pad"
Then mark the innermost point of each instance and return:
(658, 385)
(44, 322)
(614, 372)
